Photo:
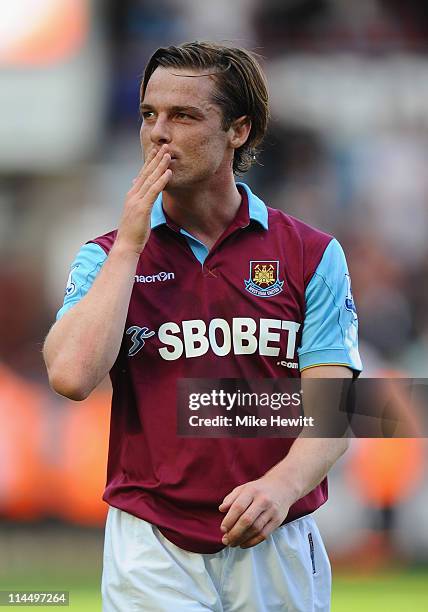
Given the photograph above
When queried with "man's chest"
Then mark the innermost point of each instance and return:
(246, 298)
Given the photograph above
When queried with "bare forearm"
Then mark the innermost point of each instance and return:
(256, 508)
(310, 459)
(82, 347)
(307, 463)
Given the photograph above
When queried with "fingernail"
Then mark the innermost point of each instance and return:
(225, 540)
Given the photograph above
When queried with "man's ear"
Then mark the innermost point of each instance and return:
(239, 131)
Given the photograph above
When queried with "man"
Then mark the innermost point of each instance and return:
(205, 524)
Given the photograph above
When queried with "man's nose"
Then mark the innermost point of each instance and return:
(160, 132)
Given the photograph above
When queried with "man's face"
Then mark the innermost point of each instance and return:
(177, 111)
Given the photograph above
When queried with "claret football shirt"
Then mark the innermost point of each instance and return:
(271, 298)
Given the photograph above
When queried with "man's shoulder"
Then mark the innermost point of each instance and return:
(305, 244)
(105, 241)
(307, 234)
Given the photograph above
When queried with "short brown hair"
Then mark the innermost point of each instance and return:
(240, 87)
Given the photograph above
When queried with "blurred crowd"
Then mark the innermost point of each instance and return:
(346, 151)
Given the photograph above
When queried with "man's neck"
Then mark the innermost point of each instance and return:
(205, 212)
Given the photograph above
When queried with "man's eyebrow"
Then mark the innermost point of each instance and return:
(189, 109)
(175, 109)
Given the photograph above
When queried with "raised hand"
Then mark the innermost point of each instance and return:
(134, 228)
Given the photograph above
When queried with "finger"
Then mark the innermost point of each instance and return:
(147, 161)
(158, 185)
(256, 524)
(153, 160)
(152, 153)
(154, 176)
(249, 524)
(229, 499)
(237, 508)
(260, 537)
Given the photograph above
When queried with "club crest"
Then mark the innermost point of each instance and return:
(264, 279)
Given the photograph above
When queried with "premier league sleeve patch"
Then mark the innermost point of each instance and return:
(349, 300)
(264, 279)
(71, 285)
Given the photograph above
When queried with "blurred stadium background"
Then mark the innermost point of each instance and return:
(347, 151)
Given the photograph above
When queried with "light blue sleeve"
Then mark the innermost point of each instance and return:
(330, 328)
(83, 272)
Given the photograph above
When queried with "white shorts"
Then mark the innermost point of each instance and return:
(143, 571)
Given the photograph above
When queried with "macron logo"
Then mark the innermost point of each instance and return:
(153, 278)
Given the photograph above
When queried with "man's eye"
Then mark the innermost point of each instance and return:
(183, 116)
(147, 114)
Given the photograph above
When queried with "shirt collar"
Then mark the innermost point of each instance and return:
(158, 216)
(256, 209)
